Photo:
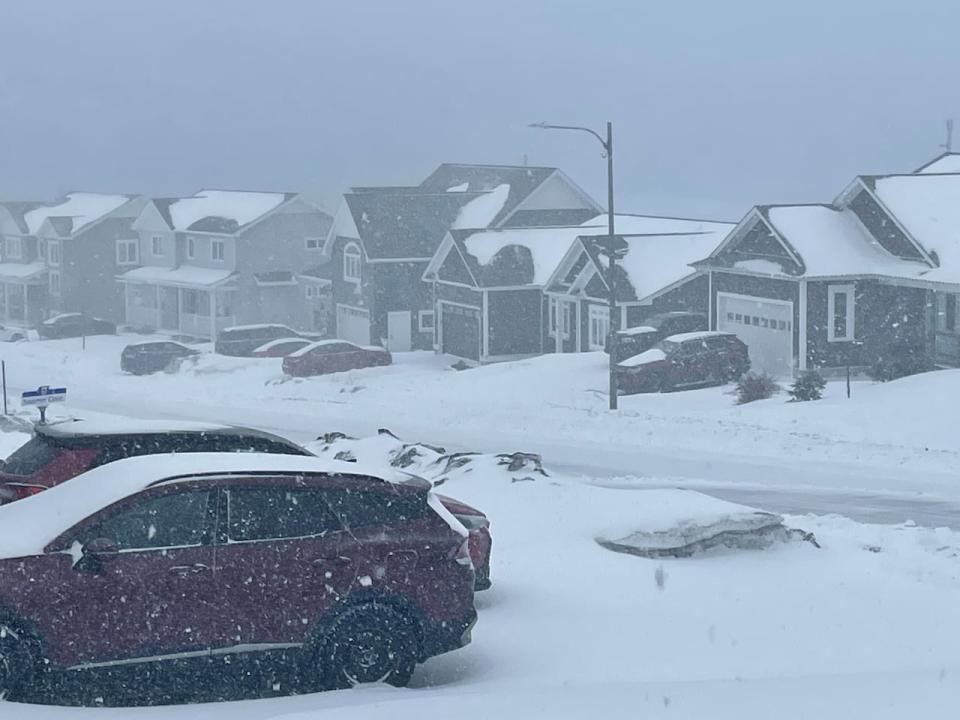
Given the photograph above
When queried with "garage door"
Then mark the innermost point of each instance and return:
(766, 326)
(353, 325)
(460, 331)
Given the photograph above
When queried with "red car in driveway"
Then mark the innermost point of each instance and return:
(332, 356)
(685, 360)
(281, 347)
(356, 575)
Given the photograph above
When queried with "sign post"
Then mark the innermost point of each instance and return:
(42, 397)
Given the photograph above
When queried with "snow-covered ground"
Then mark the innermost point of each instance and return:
(865, 626)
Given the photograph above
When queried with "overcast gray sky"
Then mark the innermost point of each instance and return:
(717, 104)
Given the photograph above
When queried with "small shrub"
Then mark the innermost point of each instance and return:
(809, 385)
(755, 386)
(898, 360)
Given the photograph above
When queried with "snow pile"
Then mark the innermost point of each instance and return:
(242, 207)
(431, 462)
(84, 208)
(680, 523)
(480, 212)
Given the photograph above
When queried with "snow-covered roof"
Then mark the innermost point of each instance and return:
(21, 271)
(107, 425)
(183, 276)
(651, 224)
(481, 211)
(832, 242)
(546, 247)
(948, 162)
(29, 525)
(82, 208)
(699, 335)
(235, 208)
(928, 206)
(655, 262)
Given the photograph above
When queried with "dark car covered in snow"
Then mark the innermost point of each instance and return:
(635, 340)
(332, 356)
(357, 574)
(685, 360)
(68, 325)
(243, 340)
(150, 357)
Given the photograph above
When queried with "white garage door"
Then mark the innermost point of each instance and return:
(353, 325)
(766, 326)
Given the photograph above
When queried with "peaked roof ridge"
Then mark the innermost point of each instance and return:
(934, 161)
(668, 217)
(499, 166)
(287, 194)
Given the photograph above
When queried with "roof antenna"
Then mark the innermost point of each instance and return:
(948, 145)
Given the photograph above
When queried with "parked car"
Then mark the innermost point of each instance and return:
(354, 574)
(330, 356)
(242, 340)
(685, 360)
(59, 451)
(635, 340)
(481, 542)
(70, 325)
(12, 334)
(281, 347)
(150, 357)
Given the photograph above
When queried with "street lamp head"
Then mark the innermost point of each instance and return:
(541, 125)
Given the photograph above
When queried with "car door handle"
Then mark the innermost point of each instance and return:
(187, 570)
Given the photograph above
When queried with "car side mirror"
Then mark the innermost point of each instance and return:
(95, 553)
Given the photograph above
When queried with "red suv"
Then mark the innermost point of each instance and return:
(356, 575)
(686, 360)
(332, 356)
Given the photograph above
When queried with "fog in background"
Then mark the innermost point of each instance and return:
(716, 104)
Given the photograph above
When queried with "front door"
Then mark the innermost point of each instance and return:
(398, 331)
(154, 597)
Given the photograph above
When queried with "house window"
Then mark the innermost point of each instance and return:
(126, 252)
(560, 312)
(313, 243)
(54, 282)
(53, 253)
(599, 326)
(947, 314)
(156, 245)
(840, 301)
(314, 292)
(14, 248)
(191, 248)
(425, 319)
(217, 250)
(351, 263)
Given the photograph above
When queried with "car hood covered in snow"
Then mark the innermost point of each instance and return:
(645, 358)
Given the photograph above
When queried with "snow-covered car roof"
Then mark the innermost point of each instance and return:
(280, 341)
(257, 326)
(145, 343)
(639, 330)
(128, 426)
(53, 319)
(645, 358)
(29, 525)
(334, 341)
(683, 337)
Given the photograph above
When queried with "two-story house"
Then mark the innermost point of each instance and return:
(226, 257)
(61, 255)
(382, 240)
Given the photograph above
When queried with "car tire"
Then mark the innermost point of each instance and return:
(17, 337)
(369, 643)
(16, 661)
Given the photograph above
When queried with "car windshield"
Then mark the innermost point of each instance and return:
(659, 300)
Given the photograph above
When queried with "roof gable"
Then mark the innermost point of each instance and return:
(947, 162)
(82, 208)
(220, 211)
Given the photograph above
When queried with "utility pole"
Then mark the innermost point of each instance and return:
(948, 145)
(612, 251)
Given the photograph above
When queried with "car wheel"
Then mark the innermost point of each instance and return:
(17, 337)
(16, 666)
(369, 644)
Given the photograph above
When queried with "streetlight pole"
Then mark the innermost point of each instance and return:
(611, 257)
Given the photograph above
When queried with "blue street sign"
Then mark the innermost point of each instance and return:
(43, 395)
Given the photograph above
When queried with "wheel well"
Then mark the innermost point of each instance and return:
(396, 602)
(27, 632)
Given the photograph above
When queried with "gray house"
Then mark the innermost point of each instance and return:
(62, 255)
(514, 292)
(383, 239)
(826, 286)
(224, 257)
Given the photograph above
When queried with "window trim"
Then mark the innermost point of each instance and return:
(53, 246)
(850, 291)
(13, 242)
(350, 251)
(562, 312)
(433, 321)
(598, 312)
(191, 247)
(155, 242)
(317, 244)
(222, 245)
(54, 274)
(127, 243)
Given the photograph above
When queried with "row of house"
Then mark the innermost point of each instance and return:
(493, 262)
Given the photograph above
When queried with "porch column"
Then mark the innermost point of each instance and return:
(180, 310)
(485, 330)
(6, 303)
(802, 330)
(26, 306)
(156, 291)
(555, 314)
(213, 313)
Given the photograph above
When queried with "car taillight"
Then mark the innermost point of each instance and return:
(24, 491)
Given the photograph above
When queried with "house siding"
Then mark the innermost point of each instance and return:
(397, 286)
(457, 325)
(88, 269)
(691, 296)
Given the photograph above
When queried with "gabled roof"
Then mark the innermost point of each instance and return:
(948, 162)
(404, 224)
(457, 178)
(81, 208)
(17, 210)
(219, 211)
